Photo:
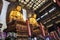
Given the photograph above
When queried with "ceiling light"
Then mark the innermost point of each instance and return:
(38, 19)
(54, 17)
(37, 3)
(50, 25)
(30, 2)
(58, 21)
(27, 0)
(44, 1)
(22, 1)
(52, 9)
(58, 15)
(49, 20)
(28, 5)
(36, 6)
(44, 15)
(44, 22)
(19, 0)
(25, 3)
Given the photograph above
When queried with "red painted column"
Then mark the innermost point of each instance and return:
(56, 35)
(28, 27)
(42, 29)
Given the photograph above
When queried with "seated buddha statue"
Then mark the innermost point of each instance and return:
(33, 21)
(16, 14)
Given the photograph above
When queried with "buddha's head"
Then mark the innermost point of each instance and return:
(18, 8)
(29, 15)
(34, 15)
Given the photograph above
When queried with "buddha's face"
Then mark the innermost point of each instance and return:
(18, 8)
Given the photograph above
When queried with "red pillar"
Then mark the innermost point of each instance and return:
(56, 35)
(42, 29)
(28, 27)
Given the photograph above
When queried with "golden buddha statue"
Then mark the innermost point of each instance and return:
(16, 14)
(33, 20)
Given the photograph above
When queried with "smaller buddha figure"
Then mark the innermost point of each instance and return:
(16, 14)
(33, 20)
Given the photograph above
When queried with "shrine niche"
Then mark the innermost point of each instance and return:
(14, 13)
(1, 4)
(16, 23)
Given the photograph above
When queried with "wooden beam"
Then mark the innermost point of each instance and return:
(45, 7)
